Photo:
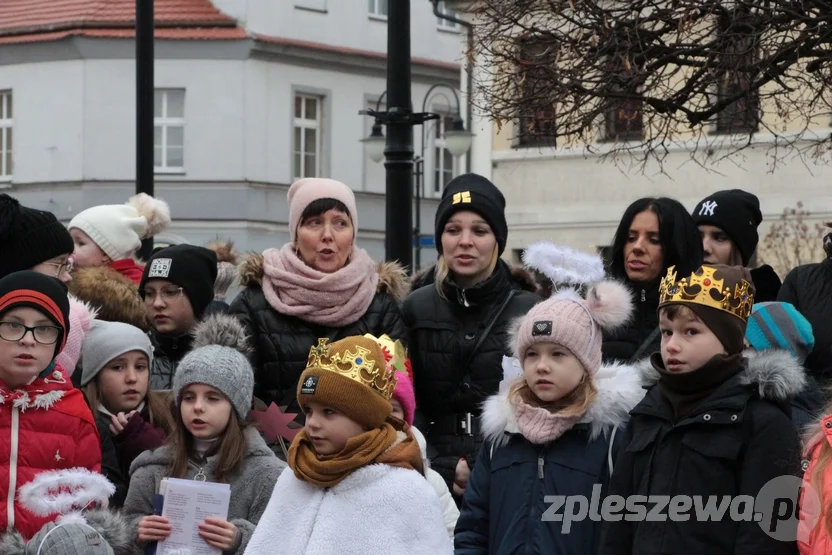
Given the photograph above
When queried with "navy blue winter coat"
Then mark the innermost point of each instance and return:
(504, 505)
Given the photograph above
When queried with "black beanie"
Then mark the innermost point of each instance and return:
(475, 193)
(43, 293)
(29, 237)
(192, 268)
(737, 213)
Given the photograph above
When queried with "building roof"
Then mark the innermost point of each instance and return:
(46, 20)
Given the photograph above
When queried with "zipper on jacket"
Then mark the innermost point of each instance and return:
(643, 296)
(13, 467)
(540, 465)
(463, 300)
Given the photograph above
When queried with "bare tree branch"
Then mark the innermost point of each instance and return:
(644, 74)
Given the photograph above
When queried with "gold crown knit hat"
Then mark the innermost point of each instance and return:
(350, 376)
(568, 319)
(118, 230)
(305, 191)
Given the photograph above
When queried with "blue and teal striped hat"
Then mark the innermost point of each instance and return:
(780, 326)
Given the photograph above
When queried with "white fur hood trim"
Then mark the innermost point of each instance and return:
(619, 390)
(776, 374)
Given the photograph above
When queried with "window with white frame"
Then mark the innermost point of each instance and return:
(169, 130)
(443, 160)
(307, 139)
(377, 7)
(444, 23)
(6, 128)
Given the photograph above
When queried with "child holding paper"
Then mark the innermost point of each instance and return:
(212, 390)
(355, 483)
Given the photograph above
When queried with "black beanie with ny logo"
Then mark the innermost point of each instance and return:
(737, 213)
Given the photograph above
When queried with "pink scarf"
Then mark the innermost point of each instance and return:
(540, 426)
(336, 300)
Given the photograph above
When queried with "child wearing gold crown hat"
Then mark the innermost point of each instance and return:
(712, 429)
(352, 467)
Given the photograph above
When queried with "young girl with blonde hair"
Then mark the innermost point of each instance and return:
(551, 431)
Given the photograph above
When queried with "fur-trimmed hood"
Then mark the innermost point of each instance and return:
(775, 373)
(392, 276)
(113, 295)
(619, 390)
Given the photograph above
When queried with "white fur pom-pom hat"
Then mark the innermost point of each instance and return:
(567, 318)
(118, 229)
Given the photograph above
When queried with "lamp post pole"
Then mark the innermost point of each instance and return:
(144, 106)
(399, 147)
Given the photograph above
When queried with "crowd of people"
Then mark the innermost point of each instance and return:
(671, 369)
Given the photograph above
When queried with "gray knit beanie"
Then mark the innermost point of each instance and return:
(71, 538)
(108, 340)
(218, 359)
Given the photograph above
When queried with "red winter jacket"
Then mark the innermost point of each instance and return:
(45, 425)
(129, 269)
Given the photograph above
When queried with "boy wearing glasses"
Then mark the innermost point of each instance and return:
(45, 423)
(177, 285)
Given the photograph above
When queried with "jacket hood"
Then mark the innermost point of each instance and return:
(619, 390)
(392, 276)
(519, 277)
(774, 373)
(162, 456)
(114, 295)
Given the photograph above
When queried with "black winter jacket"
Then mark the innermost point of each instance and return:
(735, 441)
(281, 343)
(622, 343)
(110, 467)
(442, 334)
(167, 352)
(809, 289)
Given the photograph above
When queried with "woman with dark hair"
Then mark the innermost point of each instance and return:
(653, 235)
(319, 284)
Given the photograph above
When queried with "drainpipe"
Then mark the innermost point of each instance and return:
(469, 70)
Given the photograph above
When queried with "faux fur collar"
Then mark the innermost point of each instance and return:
(775, 373)
(619, 390)
(392, 277)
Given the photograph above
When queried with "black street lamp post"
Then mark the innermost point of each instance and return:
(144, 106)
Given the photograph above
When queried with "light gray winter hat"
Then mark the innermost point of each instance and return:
(108, 340)
(218, 359)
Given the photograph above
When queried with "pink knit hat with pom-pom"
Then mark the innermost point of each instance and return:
(81, 316)
(567, 318)
(405, 395)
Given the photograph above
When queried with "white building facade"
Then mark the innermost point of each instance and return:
(260, 94)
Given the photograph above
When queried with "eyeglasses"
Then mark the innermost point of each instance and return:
(168, 295)
(15, 331)
(67, 266)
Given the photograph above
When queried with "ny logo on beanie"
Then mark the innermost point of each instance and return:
(160, 268)
(309, 385)
(708, 208)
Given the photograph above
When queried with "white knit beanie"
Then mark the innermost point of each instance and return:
(118, 229)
